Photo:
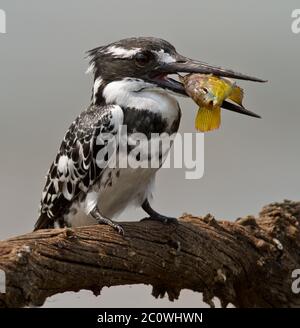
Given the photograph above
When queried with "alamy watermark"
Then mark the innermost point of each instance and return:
(296, 22)
(152, 151)
(2, 282)
(2, 21)
(296, 281)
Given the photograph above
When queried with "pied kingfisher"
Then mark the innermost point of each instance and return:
(131, 88)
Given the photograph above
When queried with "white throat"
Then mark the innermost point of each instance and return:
(140, 95)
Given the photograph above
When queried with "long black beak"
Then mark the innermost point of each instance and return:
(186, 65)
(238, 109)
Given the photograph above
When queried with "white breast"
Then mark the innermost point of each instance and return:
(138, 94)
(131, 187)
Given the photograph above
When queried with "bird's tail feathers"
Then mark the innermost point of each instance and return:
(44, 222)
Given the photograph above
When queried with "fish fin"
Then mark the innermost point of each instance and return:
(237, 95)
(208, 118)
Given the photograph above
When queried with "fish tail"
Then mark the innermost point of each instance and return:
(208, 118)
(237, 95)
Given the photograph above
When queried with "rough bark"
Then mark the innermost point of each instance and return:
(247, 262)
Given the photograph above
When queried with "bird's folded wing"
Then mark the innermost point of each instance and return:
(75, 169)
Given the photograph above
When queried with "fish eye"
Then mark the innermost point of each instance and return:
(143, 58)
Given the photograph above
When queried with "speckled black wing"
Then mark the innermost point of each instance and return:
(75, 169)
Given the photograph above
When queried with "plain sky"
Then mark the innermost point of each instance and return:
(248, 162)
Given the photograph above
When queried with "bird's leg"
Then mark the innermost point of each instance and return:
(155, 215)
(95, 213)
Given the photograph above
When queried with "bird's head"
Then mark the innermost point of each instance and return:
(144, 63)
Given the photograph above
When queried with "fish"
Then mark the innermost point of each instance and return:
(208, 92)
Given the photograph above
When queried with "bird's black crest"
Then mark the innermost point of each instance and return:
(149, 43)
(145, 43)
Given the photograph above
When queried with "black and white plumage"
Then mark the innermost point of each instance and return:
(132, 88)
(74, 170)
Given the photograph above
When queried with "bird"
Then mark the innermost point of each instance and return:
(133, 88)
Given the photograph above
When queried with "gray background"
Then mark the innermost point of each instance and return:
(248, 162)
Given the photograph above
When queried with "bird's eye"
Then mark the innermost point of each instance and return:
(142, 58)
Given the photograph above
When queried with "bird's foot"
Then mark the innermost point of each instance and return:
(161, 218)
(155, 216)
(104, 220)
(118, 228)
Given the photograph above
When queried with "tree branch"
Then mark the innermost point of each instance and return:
(247, 263)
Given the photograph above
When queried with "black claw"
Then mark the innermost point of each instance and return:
(161, 218)
(115, 226)
(171, 220)
(104, 220)
(119, 229)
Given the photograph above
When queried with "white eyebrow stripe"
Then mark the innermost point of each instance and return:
(164, 57)
(122, 52)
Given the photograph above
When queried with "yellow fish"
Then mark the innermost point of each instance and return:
(209, 92)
